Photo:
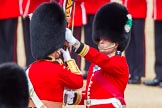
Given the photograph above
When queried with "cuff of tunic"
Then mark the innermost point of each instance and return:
(82, 50)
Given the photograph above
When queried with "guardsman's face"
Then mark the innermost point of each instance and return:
(106, 46)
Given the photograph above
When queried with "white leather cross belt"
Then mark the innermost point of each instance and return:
(114, 101)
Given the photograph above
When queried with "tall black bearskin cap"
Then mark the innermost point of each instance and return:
(113, 22)
(47, 30)
(14, 91)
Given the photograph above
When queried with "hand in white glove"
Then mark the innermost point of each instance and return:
(66, 54)
(69, 96)
(69, 37)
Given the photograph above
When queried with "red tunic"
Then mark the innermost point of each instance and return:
(79, 14)
(16, 8)
(115, 69)
(137, 8)
(85, 7)
(50, 78)
(157, 9)
(9, 9)
(92, 6)
(30, 5)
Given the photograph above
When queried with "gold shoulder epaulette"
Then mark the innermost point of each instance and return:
(73, 67)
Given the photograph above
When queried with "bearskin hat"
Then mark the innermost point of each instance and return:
(47, 29)
(14, 91)
(113, 22)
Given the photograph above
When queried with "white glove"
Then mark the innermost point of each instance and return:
(70, 96)
(66, 54)
(69, 37)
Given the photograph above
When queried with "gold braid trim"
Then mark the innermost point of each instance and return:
(78, 98)
(84, 50)
(59, 61)
(73, 67)
(52, 59)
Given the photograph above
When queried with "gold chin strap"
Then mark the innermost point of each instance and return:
(73, 67)
(108, 46)
(59, 61)
(51, 58)
(58, 51)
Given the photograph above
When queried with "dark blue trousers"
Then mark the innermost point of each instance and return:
(8, 40)
(158, 49)
(88, 37)
(135, 53)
